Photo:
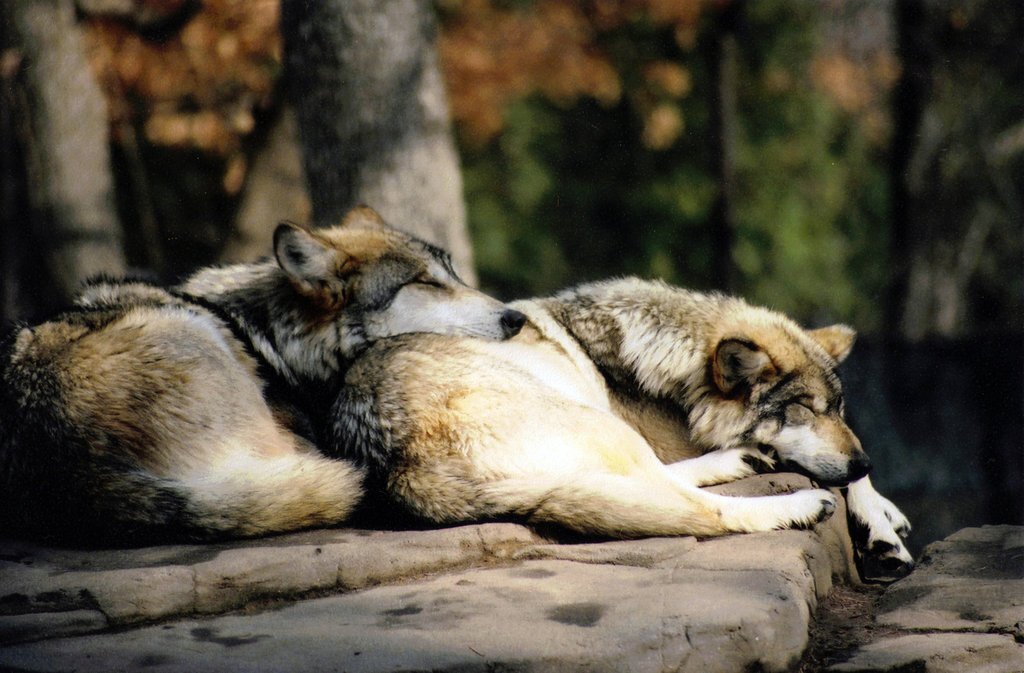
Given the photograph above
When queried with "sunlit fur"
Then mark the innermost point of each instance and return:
(461, 428)
(566, 422)
(878, 528)
(354, 283)
(147, 414)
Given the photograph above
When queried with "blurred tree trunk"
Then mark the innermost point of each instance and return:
(724, 118)
(63, 124)
(275, 190)
(956, 199)
(12, 184)
(908, 102)
(373, 116)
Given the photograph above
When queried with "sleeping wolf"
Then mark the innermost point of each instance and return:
(605, 415)
(142, 414)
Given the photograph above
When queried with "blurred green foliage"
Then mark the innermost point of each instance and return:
(566, 194)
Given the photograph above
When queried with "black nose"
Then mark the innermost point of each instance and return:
(859, 466)
(511, 322)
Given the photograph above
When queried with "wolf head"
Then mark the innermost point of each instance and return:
(390, 281)
(330, 292)
(784, 380)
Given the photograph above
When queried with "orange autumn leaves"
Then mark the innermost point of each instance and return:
(494, 53)
(198, 87)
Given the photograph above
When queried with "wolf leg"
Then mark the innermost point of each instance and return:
(801, 509)
(638, 505)
(724, 465)
(877, 527)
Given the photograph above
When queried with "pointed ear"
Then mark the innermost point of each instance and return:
(310, 262)
(365, 217)
(837, 340)
(739, 362)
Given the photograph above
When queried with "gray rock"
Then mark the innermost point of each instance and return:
(938, 653)
(639, 553)
(833, 534)
(465, 598)
(130, 586)
(38, 625)
(547, 615)
(964, 605)
(971, 581)
(799, 556)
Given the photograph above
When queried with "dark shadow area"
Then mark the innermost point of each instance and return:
(942, 422)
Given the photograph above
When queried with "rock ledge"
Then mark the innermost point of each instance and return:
(483, 597)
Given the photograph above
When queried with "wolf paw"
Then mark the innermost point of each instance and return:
(899, 521)
(724, 465)
(883, 561)
(878, 529)
(802, 509)
(820, 506)
(761, 462)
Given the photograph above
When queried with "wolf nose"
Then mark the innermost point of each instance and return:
(859, 467)
(511, 322)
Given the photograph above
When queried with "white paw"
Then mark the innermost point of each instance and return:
(802, 509)
(813, 506)
(878, 528)
(722, 466)
(899, 521)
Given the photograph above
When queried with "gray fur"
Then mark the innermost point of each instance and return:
(147, 414)
(565, 422)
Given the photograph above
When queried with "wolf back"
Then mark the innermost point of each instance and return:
(144, 414)
(567, 422)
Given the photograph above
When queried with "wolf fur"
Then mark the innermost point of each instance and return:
(147, 414)
(606, 414)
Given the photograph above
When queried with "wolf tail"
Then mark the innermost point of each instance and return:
(258, 495)
(111, 503)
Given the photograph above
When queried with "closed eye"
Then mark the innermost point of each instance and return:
(839, 406)
(799, 413)
(429, 282)
(815, 404)
(801, 400)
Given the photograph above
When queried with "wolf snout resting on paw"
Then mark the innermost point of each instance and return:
(147, 414)
(606, 414)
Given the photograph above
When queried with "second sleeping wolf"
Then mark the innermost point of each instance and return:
(609, 411)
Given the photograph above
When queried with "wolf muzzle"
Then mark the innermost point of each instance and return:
(512, 322)
(859, 467)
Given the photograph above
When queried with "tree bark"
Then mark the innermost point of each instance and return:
(724, 68)
(275, 190)
(71, 189)
(908, 100)
(373, 116)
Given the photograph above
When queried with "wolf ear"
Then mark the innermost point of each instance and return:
(738, 362)
(365, 217)
(310, 262)
(837, 340)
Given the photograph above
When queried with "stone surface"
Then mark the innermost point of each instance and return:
(141, 585)
(484, 597)
(833, 534)
(971, 581)
(938, 653)
(961, 610)
(38, 625)
(553, 615)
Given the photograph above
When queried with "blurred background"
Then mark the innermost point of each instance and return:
(845, 160)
